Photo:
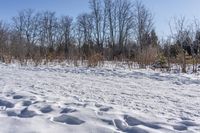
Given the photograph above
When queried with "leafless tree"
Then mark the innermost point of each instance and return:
(98, 14)
(65, 33)
(125, 21)
(26, 24)
(143, 24)
(48, 34)
(195, 49)
(181, 35)
(111, 14)
(4, 36)
(84, 22)
(119, 14)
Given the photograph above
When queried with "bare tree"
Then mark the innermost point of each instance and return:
(48, 34)
(18, 43)
(98, 15)
(79, 36)
(143, 24)
(196, 43)
(65, 27)
(84, 22)
(167, 46)
(125, 21)
(119, 14)
(26, 23)
(111, 15)
(181, 36)
(4, 36)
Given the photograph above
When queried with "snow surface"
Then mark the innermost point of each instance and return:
(97, 100)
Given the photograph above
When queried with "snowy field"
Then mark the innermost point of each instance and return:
(97, 100)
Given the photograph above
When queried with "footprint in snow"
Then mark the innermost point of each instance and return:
(46, 109)
(77, 104)
(121, 125)
(10, 94)
(98, 105)
(18, 97)
(71, 120)
(189, 123)
(180, 127)
(26, 103)
(68, 110)
(109, 122)
(105, 108)
(25, 113)
(131, 121)
(6, 104)
(11, 113)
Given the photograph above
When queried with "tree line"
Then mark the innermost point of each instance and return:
(111, 30)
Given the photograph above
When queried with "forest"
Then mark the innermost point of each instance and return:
(113, 30)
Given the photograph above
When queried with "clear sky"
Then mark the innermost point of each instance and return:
(163, 10)
(9, 8)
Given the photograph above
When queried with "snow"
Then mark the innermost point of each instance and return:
(49, 99)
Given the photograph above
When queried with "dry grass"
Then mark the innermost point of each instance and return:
(147, 57)
(95, 60)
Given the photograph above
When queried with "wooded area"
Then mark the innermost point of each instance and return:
(113, 30)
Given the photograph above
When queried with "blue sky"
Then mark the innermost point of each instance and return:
(166, 10)
(9, 8)
(163, 10)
